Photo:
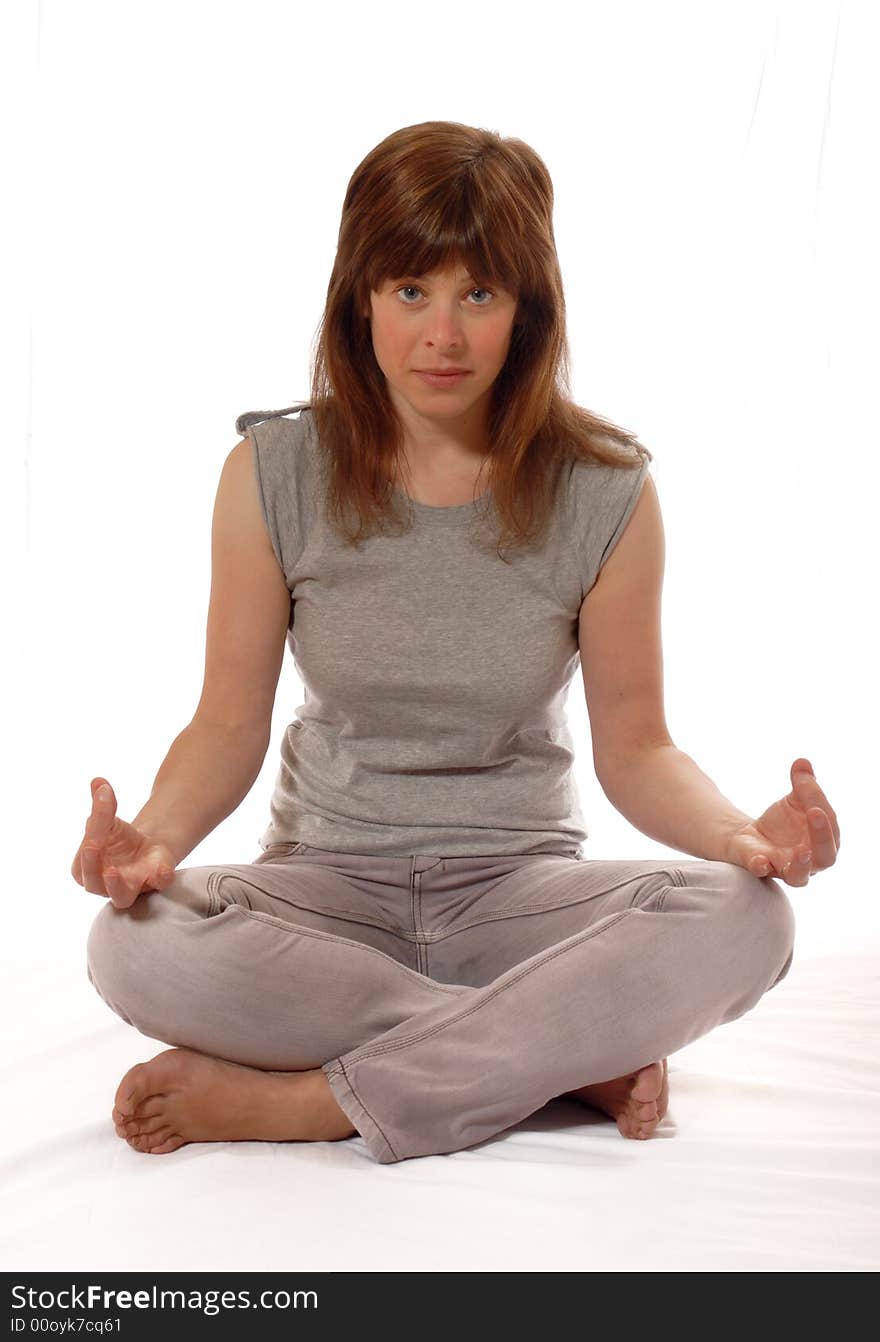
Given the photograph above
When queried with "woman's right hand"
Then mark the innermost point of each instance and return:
(117, 860)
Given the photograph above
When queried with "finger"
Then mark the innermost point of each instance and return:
(767, 864)
(100, 822)
(810, 795)
(103, 800)
(103, 786)
(97, 828)
(91, 861)
(796, 869)
(119, 891)
(822, 841)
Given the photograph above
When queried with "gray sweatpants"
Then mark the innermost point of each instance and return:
(445, 999)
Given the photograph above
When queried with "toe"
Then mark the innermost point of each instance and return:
(171, 1145)
(148, 1141)
(132, 1090)
(151, 1106)
(147, 1079)
(648, 1083)
(143, 1127)
(642, 1119)
(150, 1078)
(148, 1108)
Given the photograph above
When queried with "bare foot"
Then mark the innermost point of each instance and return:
(638, 1100)
(184, 1096)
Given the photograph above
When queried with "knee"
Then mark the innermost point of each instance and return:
(131, 952)
(757, 917)
(111, 956)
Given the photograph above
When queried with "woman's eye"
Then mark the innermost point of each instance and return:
(414, 288)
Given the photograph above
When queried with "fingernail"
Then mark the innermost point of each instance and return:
(816, 820)
(103, 791)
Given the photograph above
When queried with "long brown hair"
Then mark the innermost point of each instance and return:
(426, 197)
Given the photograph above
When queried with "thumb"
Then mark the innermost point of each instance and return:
(765, 861)
(755, 856)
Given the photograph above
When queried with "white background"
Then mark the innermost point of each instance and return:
(173, 183)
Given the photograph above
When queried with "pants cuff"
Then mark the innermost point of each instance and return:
(373, 1136)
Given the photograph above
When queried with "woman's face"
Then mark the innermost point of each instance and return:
(423, 322)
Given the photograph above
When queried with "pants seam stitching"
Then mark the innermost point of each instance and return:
(447, 990)
(379, 1128)
(211, 891)
(357, 1055)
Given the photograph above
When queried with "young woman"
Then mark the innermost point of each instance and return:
(421, 954)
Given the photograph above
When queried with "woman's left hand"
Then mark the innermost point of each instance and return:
(794, 838)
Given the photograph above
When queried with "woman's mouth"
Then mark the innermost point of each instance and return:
(441, 379)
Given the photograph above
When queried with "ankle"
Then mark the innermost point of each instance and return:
(330, 1117)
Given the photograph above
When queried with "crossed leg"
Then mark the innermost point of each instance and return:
(188, 1094)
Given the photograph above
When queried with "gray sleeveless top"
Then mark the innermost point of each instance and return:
(435, 674)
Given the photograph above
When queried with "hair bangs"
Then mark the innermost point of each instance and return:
(441, 236)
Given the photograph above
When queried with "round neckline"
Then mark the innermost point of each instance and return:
(443, 514)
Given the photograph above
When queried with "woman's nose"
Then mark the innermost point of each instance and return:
(444, 329)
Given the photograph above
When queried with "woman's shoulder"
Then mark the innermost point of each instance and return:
(282, 445)
(250, 418)
(598, 484)
(282, 439)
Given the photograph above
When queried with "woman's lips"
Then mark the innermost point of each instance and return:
(441, 379)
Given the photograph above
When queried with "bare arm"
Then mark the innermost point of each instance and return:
(663, 792)
(205, 776)
(644, 775)
(214, 762)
